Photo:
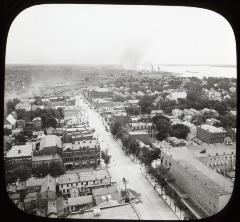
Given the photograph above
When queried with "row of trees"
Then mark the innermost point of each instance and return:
(54, 169)
(23, 173)
(48, 116)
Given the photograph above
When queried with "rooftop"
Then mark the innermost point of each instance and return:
(133, 133)
(49, 141)
(83, 143)
(55, 156)
(20, 151)
(123, 212)
(212, 129)
(104, 191)
(82, 176)
(212, 180)
(81, 200)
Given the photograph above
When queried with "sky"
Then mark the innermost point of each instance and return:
(126, 35)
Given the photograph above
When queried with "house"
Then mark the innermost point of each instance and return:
(80, 203)
(50, 144)
(39, 191)
(30, 201)
(106, 194)
(84, 180)
(56, 207)
(7, 124)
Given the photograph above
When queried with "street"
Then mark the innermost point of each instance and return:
(153, 206)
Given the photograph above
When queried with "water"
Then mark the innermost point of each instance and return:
(201, 71)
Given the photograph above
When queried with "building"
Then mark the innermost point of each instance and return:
(121, 212)
(177, 113)
(206, 190)
(220, 162)
(45, 160)
(39, 191)
(26, 106)
(142, 136)
(210, 134)
(50, 144)
(85, 153)
(78, 138)
(80, 203)
(7, 124)
(19, 156)
(100, 93)
(140, 126)
(123, 120)
(56, 207)
(177, 95)
(106, 194)
(85, 181)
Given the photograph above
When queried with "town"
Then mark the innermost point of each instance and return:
(119, 144)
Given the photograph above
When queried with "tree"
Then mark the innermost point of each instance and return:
(221, 107)
(163, 128)
(7, 132)
(148, 155)
(115, 128)
(37, 101)
(106, 157)
(11, 105)
(20, 139)
(131, 110)
(228, 121)
(180, 131)
(55, 169)
(40, 171)
(22, 173)
(51, 122)
(146, 104)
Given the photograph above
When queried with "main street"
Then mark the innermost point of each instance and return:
(153, 206)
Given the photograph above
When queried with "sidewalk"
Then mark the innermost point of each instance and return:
(166, 198)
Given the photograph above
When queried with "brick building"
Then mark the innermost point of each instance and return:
(85, 154)
(210, 134)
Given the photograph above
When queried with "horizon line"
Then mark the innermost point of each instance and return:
(82, 64)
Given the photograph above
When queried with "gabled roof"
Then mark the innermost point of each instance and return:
(48, 184)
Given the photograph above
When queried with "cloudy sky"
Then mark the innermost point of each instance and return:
(129, 35)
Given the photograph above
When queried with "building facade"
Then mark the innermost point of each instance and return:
(210, 134)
